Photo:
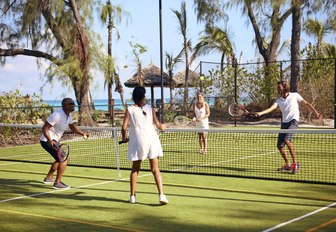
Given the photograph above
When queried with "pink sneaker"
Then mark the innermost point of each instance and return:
(295, 168)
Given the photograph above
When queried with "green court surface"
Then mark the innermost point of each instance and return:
(98, 201)
(239, 153)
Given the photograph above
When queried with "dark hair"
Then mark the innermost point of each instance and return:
(285, 85)
(66, 101)
(138, 95)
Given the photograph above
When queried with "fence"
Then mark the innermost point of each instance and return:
(254, 83)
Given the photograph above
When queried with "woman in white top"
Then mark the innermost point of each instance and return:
(202, 113)
(143, 140)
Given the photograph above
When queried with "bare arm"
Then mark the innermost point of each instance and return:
(45, 130)
(156, 121)
(124, 126)
(311, 107)
(207, 111)
(76, 130)
(268, 110)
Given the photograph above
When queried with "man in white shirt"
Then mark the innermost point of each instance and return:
(289, 105)
(52, 131)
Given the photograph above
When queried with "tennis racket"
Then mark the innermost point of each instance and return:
(63, 151)
(237, 110)
(181, 120)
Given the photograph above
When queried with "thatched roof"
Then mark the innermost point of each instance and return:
(193, 79)
(151, 78)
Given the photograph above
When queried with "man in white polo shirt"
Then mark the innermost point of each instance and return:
(52, 131)
(289, 105)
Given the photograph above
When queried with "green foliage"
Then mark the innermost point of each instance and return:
(169, 115)
(317, 82)
(18, 109)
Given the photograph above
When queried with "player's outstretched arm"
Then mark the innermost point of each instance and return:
(312, 108)
(156, 122)
(76, 130)
(268, 110)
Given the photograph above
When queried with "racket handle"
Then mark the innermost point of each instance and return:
(254, 115)
(123, 141)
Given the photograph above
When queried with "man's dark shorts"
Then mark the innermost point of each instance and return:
(287, 136)
(50, 149)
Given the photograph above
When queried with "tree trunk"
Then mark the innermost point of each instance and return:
(110, 71)
(119, 88)
(186, 95)
(171, 88)
(295, 45)
(268, 52)
(84, 57)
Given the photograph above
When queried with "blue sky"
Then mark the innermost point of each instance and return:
(143, 28)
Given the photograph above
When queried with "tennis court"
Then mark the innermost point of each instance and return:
(227, 198)
(98, 201)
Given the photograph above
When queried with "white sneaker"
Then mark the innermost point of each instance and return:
(132, 199)
(163, 199)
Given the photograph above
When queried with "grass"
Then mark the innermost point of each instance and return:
(98, 201)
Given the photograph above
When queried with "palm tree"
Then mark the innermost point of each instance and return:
(330, 50)
(314, 27)
(215, 39)
(109, 14)
(182, 18)
(171, 61)
(137, 50)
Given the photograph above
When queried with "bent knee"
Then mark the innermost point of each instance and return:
(287, 142)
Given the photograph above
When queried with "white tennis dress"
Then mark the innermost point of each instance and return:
(204, 123)
(144, 141)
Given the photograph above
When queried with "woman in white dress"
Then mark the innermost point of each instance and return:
(143, 141)
(202, 113)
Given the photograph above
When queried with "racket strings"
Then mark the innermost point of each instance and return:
(236, 110)
(181, 120)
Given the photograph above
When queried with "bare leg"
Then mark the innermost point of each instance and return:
(291, 150)
(134, 175)
(154, 163)
(60, 170)
(52, 170)
(200, 141)
(284, 154)
(205, 143)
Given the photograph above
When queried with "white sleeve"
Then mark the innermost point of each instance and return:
(299, 97)
(53, 118)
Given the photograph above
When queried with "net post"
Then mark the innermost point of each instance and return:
(235, 66)
(116, 144)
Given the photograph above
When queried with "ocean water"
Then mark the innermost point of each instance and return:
(100, 104)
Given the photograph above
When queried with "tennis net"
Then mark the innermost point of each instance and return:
(231, 152)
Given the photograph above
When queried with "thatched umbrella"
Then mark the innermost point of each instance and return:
(151, 77)
(193, 79)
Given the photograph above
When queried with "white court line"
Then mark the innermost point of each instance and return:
(299, 218)
(60, 190)
(224, 161)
